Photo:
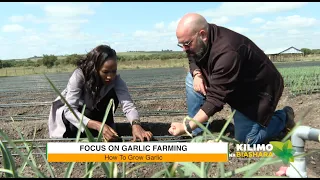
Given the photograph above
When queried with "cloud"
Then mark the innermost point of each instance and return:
(173, 25)
(250, 8)
(33, 40)
(257, 20)
(160, 30)
(59, 13)
(153, 34)
(159, 25)
(30, 18)
(290, 22)
(18, 19)
(13, 28)
(61, 3)
(63, 33)
(118, 35)
(293, 31)
(35, 3)
(277, 41)
(64, 20)
(152, 39)
(257, 36)
(240, 30)
(66, 28)
(74, 37)
(221, 20)
(60, 10)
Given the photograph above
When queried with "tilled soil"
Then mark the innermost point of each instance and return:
(159, 126)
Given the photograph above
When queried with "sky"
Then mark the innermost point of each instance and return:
(32, 29)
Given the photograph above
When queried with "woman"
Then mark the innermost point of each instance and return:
(94, 83)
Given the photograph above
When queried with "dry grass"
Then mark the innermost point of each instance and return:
(137, 64)
(134, 64)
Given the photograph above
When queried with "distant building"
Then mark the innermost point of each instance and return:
(291, 53)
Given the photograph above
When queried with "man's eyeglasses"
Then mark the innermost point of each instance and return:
(187, 44)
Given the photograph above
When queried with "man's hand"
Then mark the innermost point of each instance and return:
(176, 129)
(199, 85)
(139, 132)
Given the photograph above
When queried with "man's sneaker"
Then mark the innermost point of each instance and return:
(289, 119)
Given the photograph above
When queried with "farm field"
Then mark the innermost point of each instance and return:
(133, 64)
(159, 95)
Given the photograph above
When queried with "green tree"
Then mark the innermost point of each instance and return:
(315, 51)
(49, 60)
(73, 59)
(306, 51)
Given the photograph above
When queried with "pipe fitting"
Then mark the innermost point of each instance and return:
(298, 168)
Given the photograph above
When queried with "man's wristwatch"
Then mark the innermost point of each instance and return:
(188, 127)
(136, 122)
(196, 72)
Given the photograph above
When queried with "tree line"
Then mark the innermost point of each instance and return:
(307, 51)
(52, 60)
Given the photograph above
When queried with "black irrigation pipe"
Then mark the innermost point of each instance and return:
(133, 80)
(125, 75)
(35, 98)
(62, 86)
(146, 82)
(142, 114)
(131, 89)
(47, 103)
(34, 154)
(297, 92)
(139, 86)
(47, 93)
(25, 104)
(81, 139)
(15, 91)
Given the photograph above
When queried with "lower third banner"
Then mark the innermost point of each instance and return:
(137, 152)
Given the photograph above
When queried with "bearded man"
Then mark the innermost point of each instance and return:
(227, 67)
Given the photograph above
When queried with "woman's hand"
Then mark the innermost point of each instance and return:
(108, 133)
(139, 132)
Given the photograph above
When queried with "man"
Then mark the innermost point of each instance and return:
(227, 67)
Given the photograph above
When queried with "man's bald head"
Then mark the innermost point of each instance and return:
(192, 34)
(191, 23)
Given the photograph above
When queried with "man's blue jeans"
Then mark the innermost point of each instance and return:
(246, 130)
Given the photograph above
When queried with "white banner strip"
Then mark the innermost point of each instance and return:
(137, 147)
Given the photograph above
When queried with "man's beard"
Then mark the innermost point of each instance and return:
(197, 55)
